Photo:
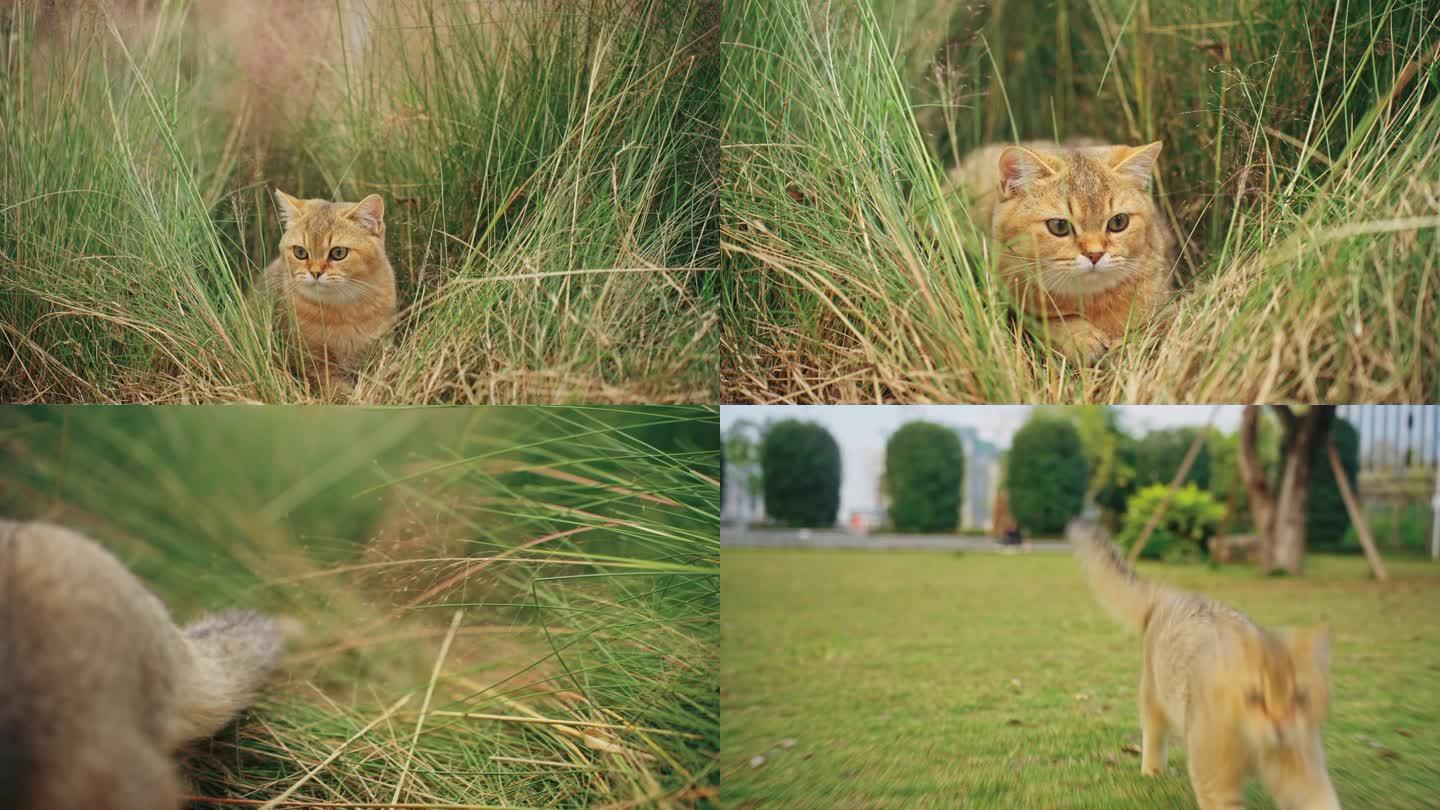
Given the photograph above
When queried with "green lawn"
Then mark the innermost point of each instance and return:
(996, 681)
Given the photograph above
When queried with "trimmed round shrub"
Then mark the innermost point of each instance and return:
(1184, 531)
(1046, 475)
(924, 473)
(801, 465)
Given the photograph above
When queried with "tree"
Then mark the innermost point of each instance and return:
(924, 473)
(1279, 507)
(1158, 455)
(1046, 475)
(1328, 519)
(1109, 455)
(1117, 485)
(801, 468)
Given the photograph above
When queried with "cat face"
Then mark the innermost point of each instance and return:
(333, 250)
(1080, 221)
(1279, 687)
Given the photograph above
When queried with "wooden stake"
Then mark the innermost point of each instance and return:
(1362, 529)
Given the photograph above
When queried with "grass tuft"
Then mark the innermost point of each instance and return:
(548, 171)
(499, 607)
(1301, 166)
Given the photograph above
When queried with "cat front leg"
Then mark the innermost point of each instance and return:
(1217, 769)
(1076, 338)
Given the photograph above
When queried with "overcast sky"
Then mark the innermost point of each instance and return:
(994, 423)
(861, 430)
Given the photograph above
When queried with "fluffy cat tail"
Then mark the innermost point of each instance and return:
(1118, 589)
(231, 654)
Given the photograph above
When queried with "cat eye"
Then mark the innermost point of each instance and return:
(1118, 223)
(300, 252)
(1058, 227)
(338, 253)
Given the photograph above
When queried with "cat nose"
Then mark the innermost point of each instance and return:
(317, 272)
(1095, 256)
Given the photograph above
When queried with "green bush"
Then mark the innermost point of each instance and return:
(1046, 475)
(1327, 520)
(801, 464)
(1189, 522)
(924, 472)
(1159, 453)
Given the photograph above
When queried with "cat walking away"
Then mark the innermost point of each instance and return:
(98, 688)
(1245, 700)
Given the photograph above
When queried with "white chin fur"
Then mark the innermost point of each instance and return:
(1083, 263)
(315, 290)
(1075, 280)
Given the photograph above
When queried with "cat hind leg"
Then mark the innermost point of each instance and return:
(1153, 729)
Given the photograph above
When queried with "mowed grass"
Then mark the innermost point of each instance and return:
(983, 681)
(548, 172)
(1301, 167)
(499, 607)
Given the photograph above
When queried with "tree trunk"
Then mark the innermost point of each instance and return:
(1288, 543)
(1280, 511)
(1262, 497)
(1303, 437)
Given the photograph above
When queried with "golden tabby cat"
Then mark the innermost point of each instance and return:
(1083, 247)
(1245, 700)
(333, 277)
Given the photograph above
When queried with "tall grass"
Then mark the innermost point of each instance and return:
(548, 171)
(543, 585)
(1301, 166)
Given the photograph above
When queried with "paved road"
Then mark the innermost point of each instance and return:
(833, 538)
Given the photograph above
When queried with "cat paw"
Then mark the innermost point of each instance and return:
(1152, 770)
(1097, 352)
(1077, 340)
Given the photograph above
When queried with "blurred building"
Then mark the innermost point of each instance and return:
(741, 500)
(982, 479)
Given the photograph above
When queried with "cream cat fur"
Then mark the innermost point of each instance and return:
(1243, 699)
(98, 687)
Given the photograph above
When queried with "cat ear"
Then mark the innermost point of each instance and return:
(290, 207)
(1138, 162)
(1312, 644)
(1020, 167)
(369, 214)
